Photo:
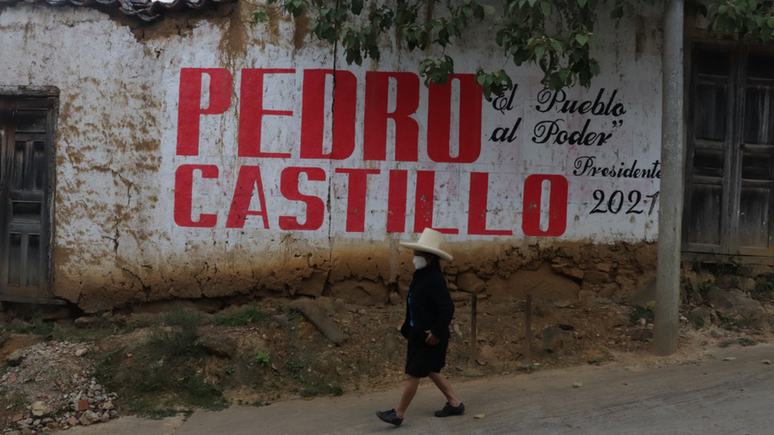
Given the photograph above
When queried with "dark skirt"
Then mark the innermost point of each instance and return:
(423, 358)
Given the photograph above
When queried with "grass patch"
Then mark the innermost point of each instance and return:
(162, 413)
(166, 367)
(247, 316)
(36, 326)
(320, 389)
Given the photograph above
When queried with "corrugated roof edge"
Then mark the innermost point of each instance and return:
(145, 9)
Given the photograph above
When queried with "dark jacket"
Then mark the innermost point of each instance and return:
(431, 305)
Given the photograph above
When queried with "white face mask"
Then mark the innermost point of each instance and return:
(419, 262)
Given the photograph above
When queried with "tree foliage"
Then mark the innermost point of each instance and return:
(556, 35)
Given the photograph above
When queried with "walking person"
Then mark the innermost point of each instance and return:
(429, 311)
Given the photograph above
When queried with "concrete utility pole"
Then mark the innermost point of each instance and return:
(670, 216)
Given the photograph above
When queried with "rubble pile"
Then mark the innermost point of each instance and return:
(48, 388)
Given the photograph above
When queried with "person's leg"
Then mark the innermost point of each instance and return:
(412, 383)
(444, 385)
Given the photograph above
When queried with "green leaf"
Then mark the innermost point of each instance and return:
(581, 3)
(532, 3)
(594, 68)
(564, 73)
(723, 9)
(489, 9)
(357, 6)
(259, 16)
(582, 39)
(539, 52)
(546, 7)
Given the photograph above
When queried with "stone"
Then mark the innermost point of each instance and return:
(85, 322)
(748, 284)
(460, 296)
(470, 282)
(219, 345)
(363, 292)
(604, 267)
(55, 312)
(314, 285)
(396, 317)
(596, 277)
(105, 417)
(587, 298)
(81, 352)
(113, 414)
(645, 297)
(556, 340)
(319, 319)
(700, 316)
(208, 305)
(608, 290)
(15, 358)
(40, 409)
(718, 333)
(88, 418)
(753, 271)
(82, 405)
(395, 298)
(644, 334)
(734, 303)
(576, 273)
(543, 284)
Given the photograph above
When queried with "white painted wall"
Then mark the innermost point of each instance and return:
(116, 238)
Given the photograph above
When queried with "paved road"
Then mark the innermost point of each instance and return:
(712, 397)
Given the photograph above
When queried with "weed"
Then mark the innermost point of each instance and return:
(16, 400)
(641, 313)
(747, 342)
(319, 389)
(726, 344)
(230, 370)
(293, 367)
(698, 322)
(160, 414)
(249, 315)
(263, 359)
(732, 267)
(703, 287)
(166, 366)
(220, 405)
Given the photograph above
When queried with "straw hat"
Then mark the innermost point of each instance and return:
(429, 241)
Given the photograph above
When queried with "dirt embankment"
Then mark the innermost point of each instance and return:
(180, 355)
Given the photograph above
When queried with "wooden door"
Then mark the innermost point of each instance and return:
(729, 198)
(26, 138)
